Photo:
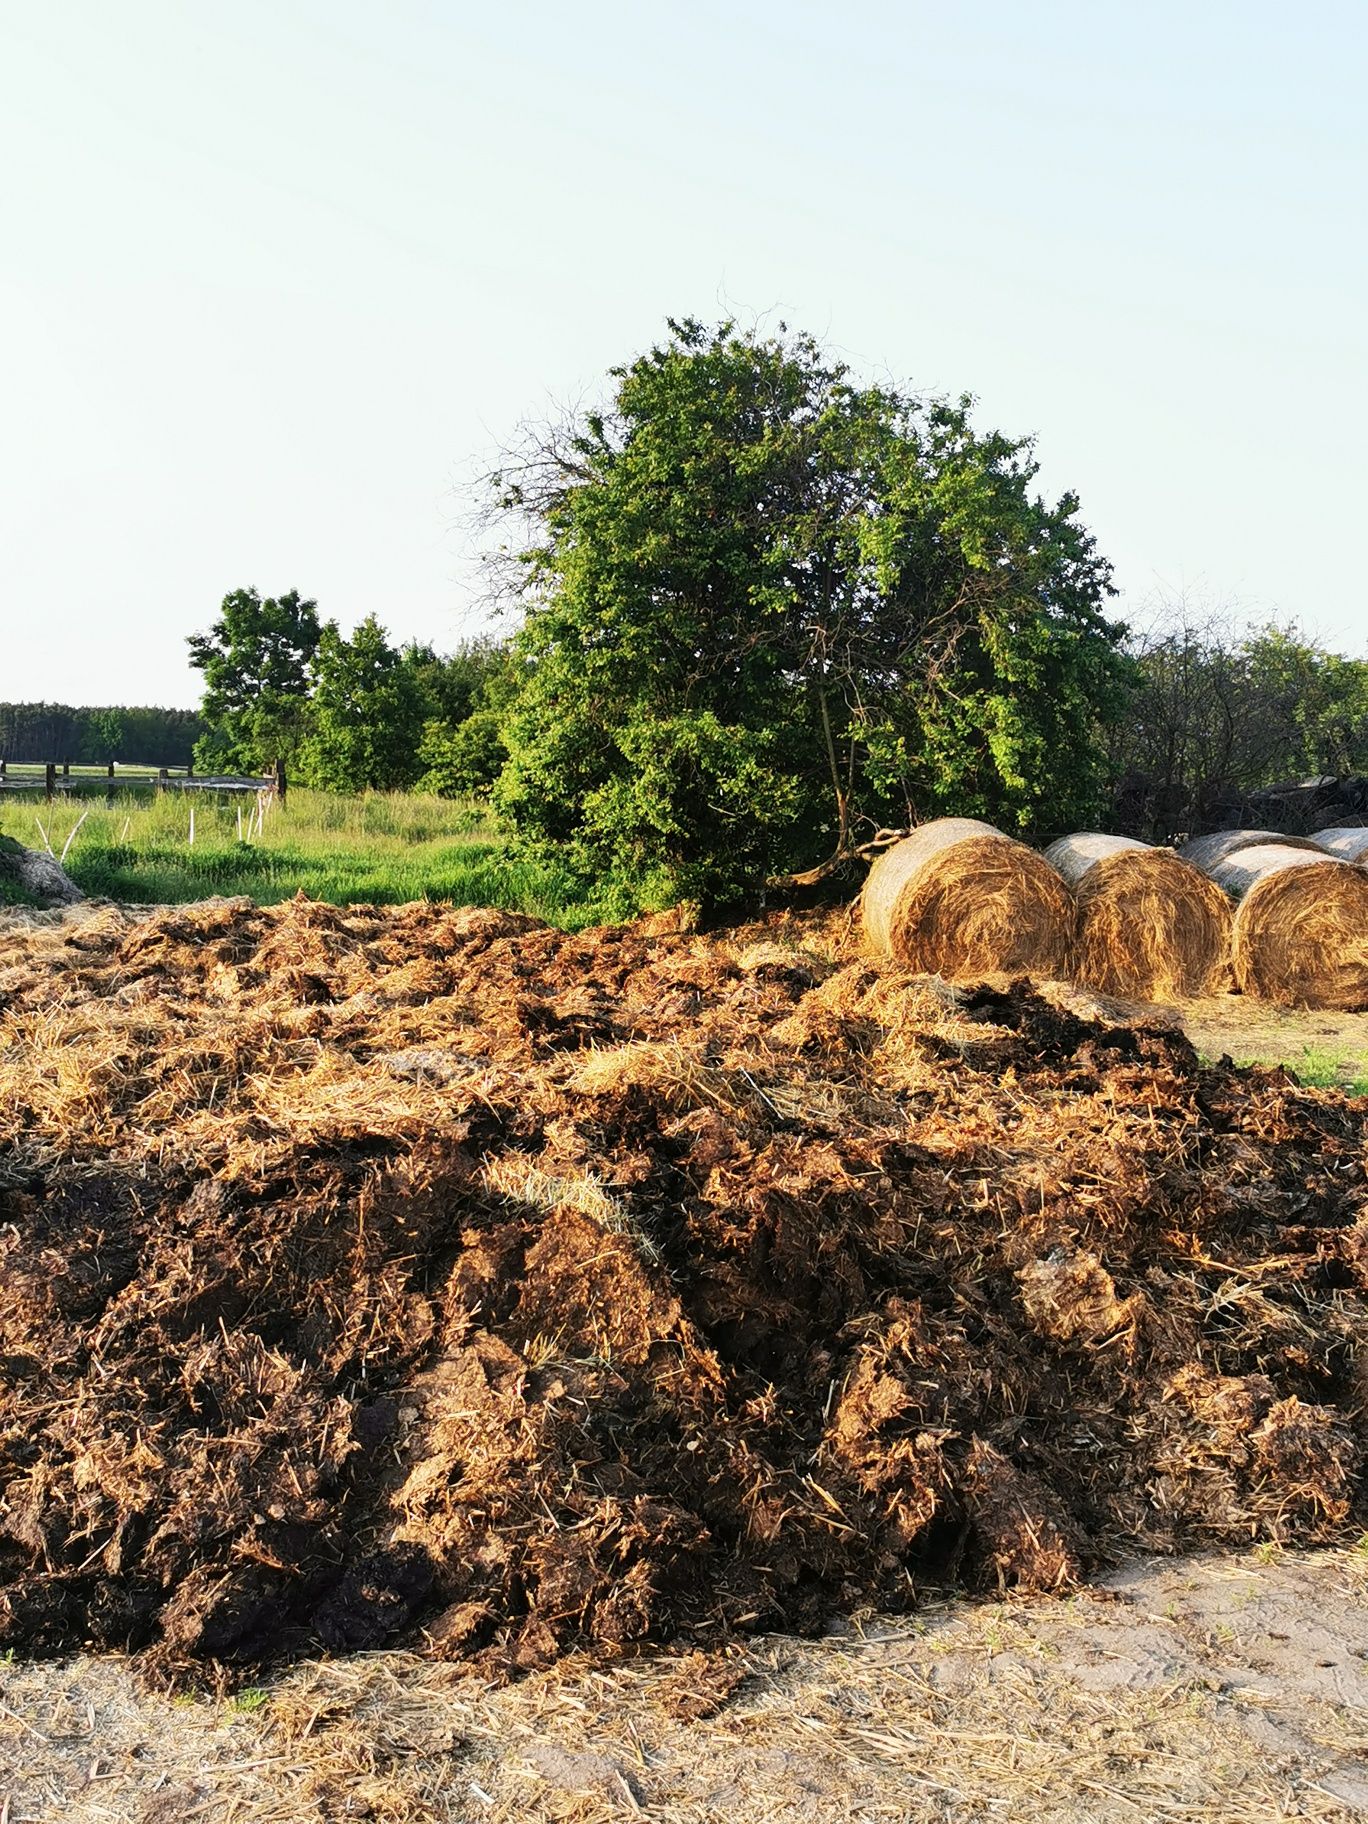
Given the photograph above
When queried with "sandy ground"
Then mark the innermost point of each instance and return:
(1231, 1688)
(1246, 1030)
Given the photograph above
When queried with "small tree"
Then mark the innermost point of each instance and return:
(464, 761)
(458, 683)
(255, 660)
(366, 715)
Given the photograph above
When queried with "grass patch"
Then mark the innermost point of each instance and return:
(246, 1703)
(381, 848)
(1324, 1067)
(1314, 1066)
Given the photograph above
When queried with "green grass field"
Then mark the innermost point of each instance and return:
(384, 848)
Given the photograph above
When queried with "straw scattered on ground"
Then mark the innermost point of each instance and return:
(1214, 1691)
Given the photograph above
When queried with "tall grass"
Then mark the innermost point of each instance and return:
(381, 847)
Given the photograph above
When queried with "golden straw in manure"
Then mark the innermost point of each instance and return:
(1148, 926)
(958, 898)
(1301, 926)
(1205, 851)
(1348, 844)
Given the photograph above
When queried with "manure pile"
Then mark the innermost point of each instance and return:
(432, 1276)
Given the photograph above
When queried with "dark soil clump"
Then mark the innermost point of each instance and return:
(434, 1276)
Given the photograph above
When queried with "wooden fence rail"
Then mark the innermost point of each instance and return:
(52, 779)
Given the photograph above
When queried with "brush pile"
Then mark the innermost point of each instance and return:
(430, 1275)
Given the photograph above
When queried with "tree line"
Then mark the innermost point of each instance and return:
(1217, 712)
(131, 734)
(764, 616)
(346, 713)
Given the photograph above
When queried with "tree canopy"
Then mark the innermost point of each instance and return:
(255, 660)
(1220, 710)
(365, 716)
(133, 733)
(770, 611)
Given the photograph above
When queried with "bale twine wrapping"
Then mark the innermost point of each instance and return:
(1301, 926)
(1348, 844)
(1205, 852)
(1148, 926)
(959, 899)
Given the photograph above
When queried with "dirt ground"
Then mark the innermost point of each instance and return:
(1229, 1688)
(1254, 1032)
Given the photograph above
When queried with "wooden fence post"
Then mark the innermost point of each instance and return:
(161, 779)
(279, 776)
(49, 779)
(109, 770)
(2, 768)
(190, 767)
(66, 769)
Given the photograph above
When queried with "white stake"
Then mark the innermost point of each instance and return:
(70, 839)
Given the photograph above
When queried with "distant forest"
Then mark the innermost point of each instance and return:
(142, 736)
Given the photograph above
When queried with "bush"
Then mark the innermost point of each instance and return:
(464, 761)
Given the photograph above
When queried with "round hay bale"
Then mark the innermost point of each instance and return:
(1348, 844)
(1149, 927)
(958, 898)
(1205, 851)
(1301, 926)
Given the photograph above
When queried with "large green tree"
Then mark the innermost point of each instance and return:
(366, 714)
(770, 612)
(255, 660)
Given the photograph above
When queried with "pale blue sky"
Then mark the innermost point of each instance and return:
(275, 278)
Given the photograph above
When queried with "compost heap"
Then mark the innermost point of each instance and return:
(434, 1276)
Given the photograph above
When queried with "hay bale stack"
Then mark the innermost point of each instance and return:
(1148, 926)
(1205, 852)
(1348, 844)
(959, 899)
(1301, 926)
